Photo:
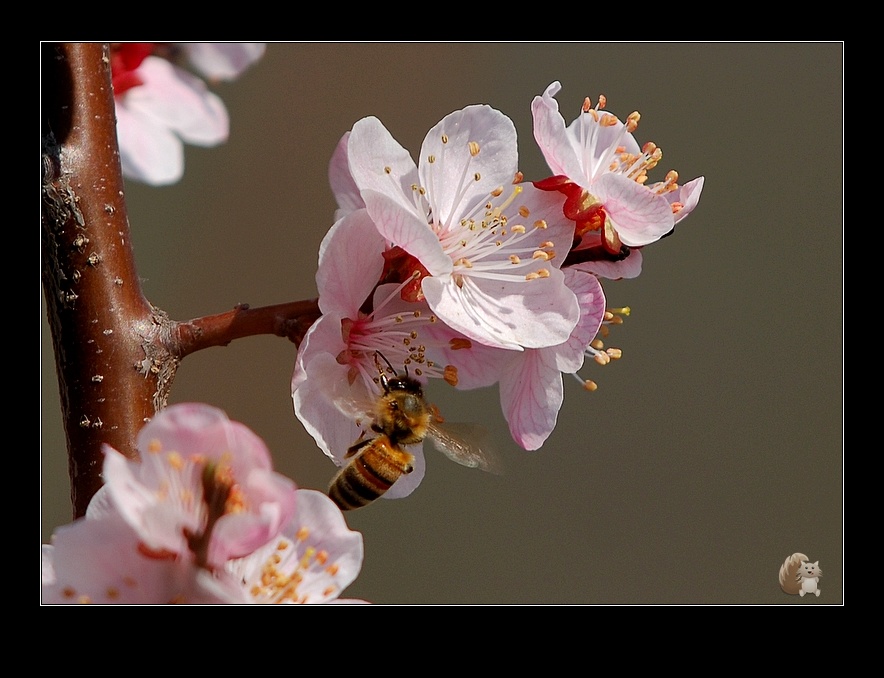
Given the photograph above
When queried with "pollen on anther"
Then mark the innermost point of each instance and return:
(449, 374)
(388, 170)
(444, 138)
(514, 259)
(431, 158)
(302, 534)
(590, 385)
(154, 445)
(541, 224)
(497, 192)
(524, 212)
(474, 149)
(333, 569)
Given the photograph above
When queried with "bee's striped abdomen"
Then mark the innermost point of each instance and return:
(369, 474)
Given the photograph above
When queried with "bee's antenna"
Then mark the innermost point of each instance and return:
(385, 382)
(380, 369)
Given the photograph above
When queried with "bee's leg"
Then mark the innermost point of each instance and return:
(361, 442)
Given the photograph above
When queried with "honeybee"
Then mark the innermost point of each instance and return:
(400, 416)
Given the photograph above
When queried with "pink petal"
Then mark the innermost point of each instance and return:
(341, 181)
(531, 394)
(555, 143)
(591, 298)
(504, 314)
(639, 215)
(350, 264)
(223, 60)
(379, 163)
(451, 176)
(411, 232)
(180, 101)
(688, 195)
(149, 150)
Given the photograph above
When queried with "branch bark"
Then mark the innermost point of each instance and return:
(97, 313)
(115, 354)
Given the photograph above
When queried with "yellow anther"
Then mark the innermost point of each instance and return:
(477, 177)
(302, 534)
(474, 149)
(459, 343)
(514, 259)
(524, 212)
(614, 353)
(517, 178)
(541, 224)
(607, 120)
(444, 138)
(590, 385)
(176, 461)
(597, 344)
(587, 105)
(449, 374)
(517, 228)
(497, 192)
(431, 158)
(603, 101)
(540, 254)
(154, 445)
(388, 170)
(602, 358)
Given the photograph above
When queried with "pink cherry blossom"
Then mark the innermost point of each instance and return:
(160, 105)
(488, 246)
(203, 488)
(202, 519)
(603, 171)
(101, 559)
(315, 557)
(336, 372)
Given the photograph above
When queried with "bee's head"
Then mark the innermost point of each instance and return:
(398, 382)
(401, 383)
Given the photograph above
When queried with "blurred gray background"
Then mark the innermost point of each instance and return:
(711, 451)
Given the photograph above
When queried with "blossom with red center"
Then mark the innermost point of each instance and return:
(160, 105)
(489, 246)
(602, 171)
(336, 371)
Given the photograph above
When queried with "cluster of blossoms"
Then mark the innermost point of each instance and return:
(160, 105)
(202, 518)
(455, 268)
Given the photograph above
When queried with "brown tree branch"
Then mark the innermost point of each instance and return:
(291, 320)
(115, 354)
(98, 316)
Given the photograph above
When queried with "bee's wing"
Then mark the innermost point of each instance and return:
(358, 408)
(467, 444)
